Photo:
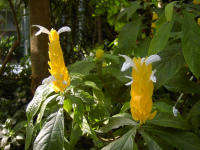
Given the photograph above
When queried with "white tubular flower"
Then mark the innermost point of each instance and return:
(175, 111)
(153, 77)
(129, 83)
(127, 64)
(48, 80)
(45, 30)
(42, 30)
(152, 58)
(64, 29)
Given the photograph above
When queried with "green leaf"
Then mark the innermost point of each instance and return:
(40, 95)
(181, 83)
(43, 107)
(91, 84)
(67, 105)
(191, 44)
(163, 107)
(29, 134)
(169, 11)
(161, 38)
(128, 36)
(118, 121)
(75, 135)
(125, 107)
(180, 140)
(171, 62)
(194, 115)
(150, 142)
(168, 120)
(82, 67)
(123, 143)
(129, 11)
(132, 9)
(51, 136)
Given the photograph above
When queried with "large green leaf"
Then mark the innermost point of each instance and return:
(169, 11)
(29, 134)
(194, 115)
(181, 83)
(191, 44)
(129, 11)
(41, 94)
(180, 140)
(123, 143)
(42, 109)
(150, 142)
(82, 67)
(118, 121)
(168, 120)
(171, 62)
(128, 36)
(51, 136)
(160, 38)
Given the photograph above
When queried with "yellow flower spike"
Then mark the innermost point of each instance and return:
(155, 16)
(141, 87)
(58, 70)
(196, 2)
(198, 21)
(99, 53)
(153, 25)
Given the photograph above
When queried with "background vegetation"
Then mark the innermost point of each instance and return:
(94, 112)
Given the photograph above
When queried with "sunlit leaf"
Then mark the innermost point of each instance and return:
(51, 136)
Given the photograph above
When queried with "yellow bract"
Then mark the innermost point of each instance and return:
(155, 16)
(99, 53)
(196, 2)
(153, 25)
(141, 92)
(198, 21)
(57, 65)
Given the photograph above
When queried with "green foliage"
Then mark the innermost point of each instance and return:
(96, 104)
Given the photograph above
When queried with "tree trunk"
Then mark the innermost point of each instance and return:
(39, 15)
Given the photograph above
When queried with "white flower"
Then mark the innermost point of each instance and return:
(46, 31)
(129, 83)
(127, 64)
(48, 80)
(175, 111)
(152, 58)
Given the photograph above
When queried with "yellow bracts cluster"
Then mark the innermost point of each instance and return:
(57, 65)
(141, 92)
(99, 53)
(60, 76)
(154, 16)
(141, 86)
(196, 2)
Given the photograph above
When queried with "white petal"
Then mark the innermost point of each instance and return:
(127, 64)
(129, 83)
(48, 80)
(152, 58)
(175, 111)
(153, 77)
(42, 30)
(64, 29)
(142, 60)
(65, 82)
(129, 77)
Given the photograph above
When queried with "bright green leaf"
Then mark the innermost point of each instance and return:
(160, 38)
(150, 142)
(128, 37)
(123, 143)
(191, 44)
(169, 11)
(51, 136)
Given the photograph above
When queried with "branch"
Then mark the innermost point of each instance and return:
(16, 43)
